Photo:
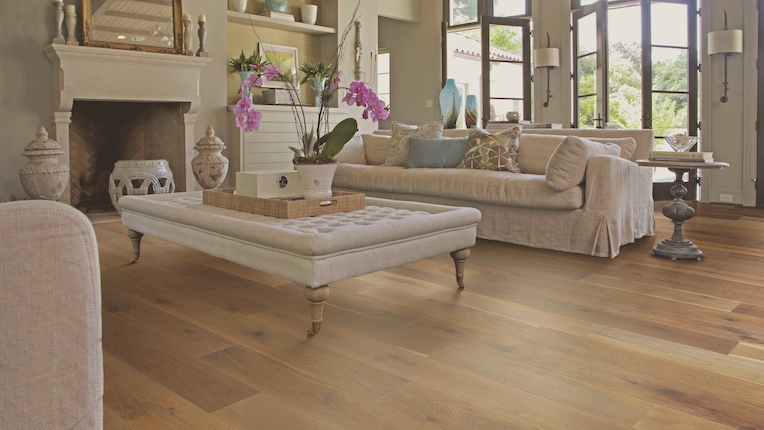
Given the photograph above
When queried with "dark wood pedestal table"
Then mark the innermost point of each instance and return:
(678, 211)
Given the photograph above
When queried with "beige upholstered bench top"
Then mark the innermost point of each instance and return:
(313, 251)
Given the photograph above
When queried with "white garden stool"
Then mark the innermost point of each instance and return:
(139, 177)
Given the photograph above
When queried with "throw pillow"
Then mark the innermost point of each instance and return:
(535, 150)
(492, 151)
(567, 165)
(352, 152)
(376, 148)
(628, 144)
(399, 153)
(436, 153)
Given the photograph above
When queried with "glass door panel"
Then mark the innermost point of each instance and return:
(625, 66)
(506, 69)
(590, 86)
(510, 8)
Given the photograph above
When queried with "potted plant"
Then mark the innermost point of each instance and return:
(318, 145)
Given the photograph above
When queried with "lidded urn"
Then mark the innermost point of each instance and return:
(45, 177)
(210, 166)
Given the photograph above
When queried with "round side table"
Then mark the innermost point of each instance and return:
(678, 211)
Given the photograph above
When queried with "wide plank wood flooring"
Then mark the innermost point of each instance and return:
(537, 339)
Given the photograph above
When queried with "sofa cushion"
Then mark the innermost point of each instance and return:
(436, 153)
(567, 165)
(468, 185)
(400, 145)
(489, 151)
(376, 148)
(535, 150)
(456, 132)
(628, 144)
(352, 152)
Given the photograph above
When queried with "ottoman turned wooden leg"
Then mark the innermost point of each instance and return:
(317, 297)
(460, 260)
(135, 238)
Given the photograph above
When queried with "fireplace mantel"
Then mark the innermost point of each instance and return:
(89, 73)
(101, 74)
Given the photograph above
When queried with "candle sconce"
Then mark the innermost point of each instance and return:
(547, 58)
(725, 42)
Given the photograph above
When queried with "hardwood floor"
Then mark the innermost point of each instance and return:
(537, 340)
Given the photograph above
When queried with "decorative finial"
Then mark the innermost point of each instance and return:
(42, 133)
(210, 131)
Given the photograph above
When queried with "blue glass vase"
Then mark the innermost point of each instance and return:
(470, 111)
(450, 104)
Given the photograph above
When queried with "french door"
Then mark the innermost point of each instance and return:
(505, 75)
(663, 90)
(590, 86)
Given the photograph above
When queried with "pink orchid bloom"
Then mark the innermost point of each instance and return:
(253, 80)
(271, 72)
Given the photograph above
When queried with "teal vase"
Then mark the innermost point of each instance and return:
(319, 83)
(450, 104)
(276, 5)
(470, 111)
(244, 76)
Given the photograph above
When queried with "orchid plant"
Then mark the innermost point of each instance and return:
(318, 144)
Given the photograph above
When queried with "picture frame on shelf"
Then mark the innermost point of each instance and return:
(284, 57)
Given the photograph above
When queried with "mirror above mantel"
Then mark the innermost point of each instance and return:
(138, 25)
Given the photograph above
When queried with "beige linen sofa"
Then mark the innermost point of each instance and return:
(611, 206)
(51, 362)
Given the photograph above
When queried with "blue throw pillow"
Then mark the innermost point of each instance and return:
(436, 153)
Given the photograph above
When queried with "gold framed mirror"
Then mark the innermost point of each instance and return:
(138, 25)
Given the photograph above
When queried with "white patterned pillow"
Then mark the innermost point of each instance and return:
(399, 153)
(497, 151)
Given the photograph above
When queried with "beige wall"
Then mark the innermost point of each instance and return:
(26, 78)
(25, 85)
(414, 64)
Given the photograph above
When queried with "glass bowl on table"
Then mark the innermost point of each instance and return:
(681, 142)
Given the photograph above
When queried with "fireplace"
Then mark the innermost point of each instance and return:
(122, 105)
(102, 133)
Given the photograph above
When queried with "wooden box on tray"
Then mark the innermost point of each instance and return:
(284, 207)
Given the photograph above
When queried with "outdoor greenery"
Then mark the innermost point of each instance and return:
(625, 87)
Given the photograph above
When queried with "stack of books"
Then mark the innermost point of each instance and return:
(691, 157)
(278, 15)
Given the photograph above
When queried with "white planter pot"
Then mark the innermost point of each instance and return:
(317, 179)
(309, 13)
(240, 5)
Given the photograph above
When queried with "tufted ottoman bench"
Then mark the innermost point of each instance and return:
(313, 251)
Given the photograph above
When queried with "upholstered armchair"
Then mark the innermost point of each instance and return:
(51, 362)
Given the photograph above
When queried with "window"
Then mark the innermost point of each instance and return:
(648, 50)
(486, 50)
(383, 76)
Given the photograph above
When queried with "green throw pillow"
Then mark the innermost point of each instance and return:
(436, 153)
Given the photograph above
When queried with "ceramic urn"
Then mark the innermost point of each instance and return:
(45, 177)
(210, 166)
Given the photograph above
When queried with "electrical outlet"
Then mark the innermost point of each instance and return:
(428, 103)
(725, 198)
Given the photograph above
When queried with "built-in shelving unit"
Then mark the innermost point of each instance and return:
(278, 24)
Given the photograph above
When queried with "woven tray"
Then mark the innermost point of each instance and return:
(284, 208)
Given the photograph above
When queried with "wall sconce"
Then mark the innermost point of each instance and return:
(547, 58)
(725, 42)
